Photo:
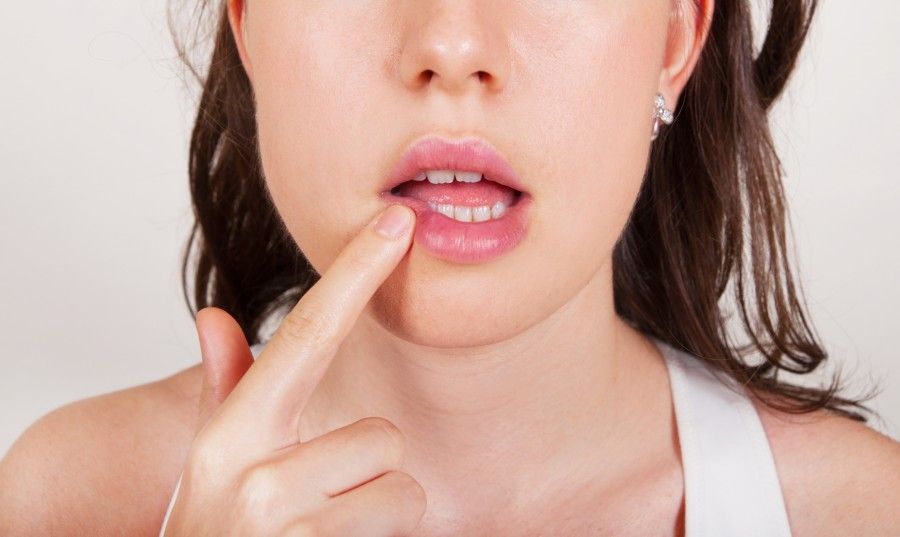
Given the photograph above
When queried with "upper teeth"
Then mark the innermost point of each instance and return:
(446, 176)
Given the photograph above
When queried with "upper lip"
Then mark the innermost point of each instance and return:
(467, 155)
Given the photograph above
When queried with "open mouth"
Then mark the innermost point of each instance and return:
(470, 205)
(462, 196)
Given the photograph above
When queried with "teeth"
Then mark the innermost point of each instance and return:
(465, 213)
(438, 177)
(468, 177)
(462, 213)
(445, 209)
(498, 209)
(481, 213)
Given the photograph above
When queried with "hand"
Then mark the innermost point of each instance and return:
(246, 472)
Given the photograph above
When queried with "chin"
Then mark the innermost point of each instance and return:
(444, 330)
(431, 303)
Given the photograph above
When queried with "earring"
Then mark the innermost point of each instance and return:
(660, 113)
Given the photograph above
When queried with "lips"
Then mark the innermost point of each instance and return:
(446, 237)
(467, 155)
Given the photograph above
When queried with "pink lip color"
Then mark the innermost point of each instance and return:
(468, 155)
(444, 237)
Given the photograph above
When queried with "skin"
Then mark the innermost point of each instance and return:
(541, 413)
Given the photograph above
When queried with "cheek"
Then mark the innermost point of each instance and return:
(593, 138)
(315, 130)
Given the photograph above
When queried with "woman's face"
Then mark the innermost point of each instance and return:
(566, 96)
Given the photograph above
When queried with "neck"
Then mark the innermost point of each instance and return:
(577, 386)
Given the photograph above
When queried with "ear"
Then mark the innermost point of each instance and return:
(689, 25)
(237, 15)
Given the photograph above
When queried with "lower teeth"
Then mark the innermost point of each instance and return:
(464, 213)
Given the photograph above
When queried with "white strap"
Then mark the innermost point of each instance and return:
(730, 480)
(162, 530)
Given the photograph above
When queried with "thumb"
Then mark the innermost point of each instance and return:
(226, 357)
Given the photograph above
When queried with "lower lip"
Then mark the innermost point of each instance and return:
(462, 242)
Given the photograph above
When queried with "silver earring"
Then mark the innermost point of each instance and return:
(661, 113)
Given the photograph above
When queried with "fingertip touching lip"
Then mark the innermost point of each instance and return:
(469, 155)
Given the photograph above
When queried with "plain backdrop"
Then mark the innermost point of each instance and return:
(94, 207)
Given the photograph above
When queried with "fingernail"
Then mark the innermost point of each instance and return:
(394, 221)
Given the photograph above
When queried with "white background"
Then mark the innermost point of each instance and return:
(94, 207)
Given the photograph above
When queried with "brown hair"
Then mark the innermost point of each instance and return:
(710, 213)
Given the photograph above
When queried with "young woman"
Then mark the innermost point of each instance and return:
(461, 269)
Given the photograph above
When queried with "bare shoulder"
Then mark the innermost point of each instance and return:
(102, 465)
(838, 476)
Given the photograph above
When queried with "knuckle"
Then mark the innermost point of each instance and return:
(307, 322)
(258, 488)
(304, 327)
(387, 435)
(302, 322)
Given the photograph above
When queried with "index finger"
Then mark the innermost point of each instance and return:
(264, 407)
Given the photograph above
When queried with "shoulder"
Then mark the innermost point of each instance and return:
(102, 465)
(838, 476)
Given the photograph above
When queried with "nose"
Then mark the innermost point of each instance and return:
(454, 44)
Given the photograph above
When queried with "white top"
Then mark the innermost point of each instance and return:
(731, 487)
(730, 483)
